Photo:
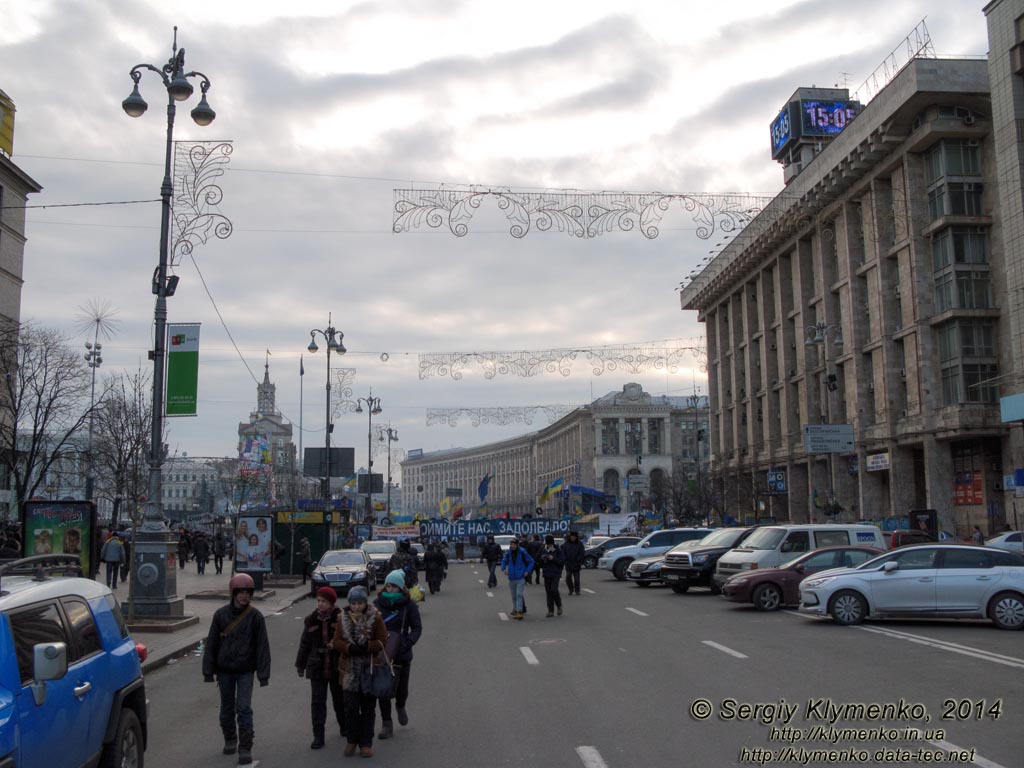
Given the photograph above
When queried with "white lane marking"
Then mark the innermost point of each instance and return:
(995, 658)
(480, 580)
(528, 655)
(638, 613)
(590, 757)
(891, 631)
(503, 616)
(723, 649)
(978, 759)
(589, 591)
(490, 594)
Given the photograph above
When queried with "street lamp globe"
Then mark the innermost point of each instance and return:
(203, 114)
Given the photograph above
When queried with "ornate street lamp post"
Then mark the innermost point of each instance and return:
(818, 335)
(334, 339)
(155, 552)
(93, 359)
(391, 435)
(372, 409)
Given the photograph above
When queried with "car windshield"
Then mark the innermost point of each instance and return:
(503, 539)
(342, 558)
(724, 537)
(766, 538)
(378, 547)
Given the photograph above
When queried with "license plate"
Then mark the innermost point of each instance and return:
(670, 577)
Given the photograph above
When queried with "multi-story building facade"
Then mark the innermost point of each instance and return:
(871, 292)
(596, 447)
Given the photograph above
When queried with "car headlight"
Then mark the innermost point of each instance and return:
(818, 583)
(696, 559)
(655, 566)
(639, 567)
(739, 580)
(359, 575)
(748, 566)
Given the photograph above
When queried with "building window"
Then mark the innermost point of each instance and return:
(654, 436)
(952, 157)
(979, 383)
(634, 436)
(951, 385)
(959, 245)
(609, 438)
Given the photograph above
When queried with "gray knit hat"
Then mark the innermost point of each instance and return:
(357, 595)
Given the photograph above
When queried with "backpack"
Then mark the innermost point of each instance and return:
(409, 568)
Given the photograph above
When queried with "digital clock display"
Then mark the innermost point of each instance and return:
(782, 131)
(826, 118)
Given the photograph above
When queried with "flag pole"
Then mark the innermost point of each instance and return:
(302, 375)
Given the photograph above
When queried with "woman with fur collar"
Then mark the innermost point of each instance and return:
(359, 638)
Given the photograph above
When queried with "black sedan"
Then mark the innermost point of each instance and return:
(343, 569)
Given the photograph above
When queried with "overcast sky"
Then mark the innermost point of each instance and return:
(329, 110)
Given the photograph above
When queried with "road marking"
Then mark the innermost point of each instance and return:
(723, 649)
(490, 594)
(503, 616)
(480, 580)
(528, 654)
(589, 591)
(942, 645)
(638, 613)
(590, 757)
(978, 759)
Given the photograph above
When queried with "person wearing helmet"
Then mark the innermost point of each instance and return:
(237, 649)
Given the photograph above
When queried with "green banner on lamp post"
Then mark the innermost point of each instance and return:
(182, 368)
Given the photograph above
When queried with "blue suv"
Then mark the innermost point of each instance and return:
(71, 687)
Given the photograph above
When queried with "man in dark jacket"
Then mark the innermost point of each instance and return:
(220, 548)
(201, 549)
(305, 554)
(574, 552)
(491, 553)
(237, 648)
(435, 566)
(533, 548)
(550, 560)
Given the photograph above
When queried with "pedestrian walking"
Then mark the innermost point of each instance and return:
(237, 649)
(435, 567)
(184, 547)
(574, 552)
(113, 555)
(516, 564)
(491, 554)
(405, 560)
(306, 554)
(319, 663)
(533, 547)
(126, 566)
(551, 561)
(220, 548)
(359, 637)
(402, 620)
(201, 550)
(978, 537)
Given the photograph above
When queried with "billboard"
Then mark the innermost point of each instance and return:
(254, 543)
(6, 123)
(61, 528)
(182, 368)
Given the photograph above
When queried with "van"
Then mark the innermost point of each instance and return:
(773, 545)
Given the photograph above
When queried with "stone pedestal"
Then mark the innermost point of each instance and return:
(156, 577)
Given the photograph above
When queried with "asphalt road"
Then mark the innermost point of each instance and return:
(611, 683)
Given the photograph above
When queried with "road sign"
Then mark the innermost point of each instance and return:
(638, 483)
(828, 438)
(454, 493)
(777, 481)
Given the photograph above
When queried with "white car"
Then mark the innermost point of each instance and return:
(617, 560)
(934, 580)
(1011, 541)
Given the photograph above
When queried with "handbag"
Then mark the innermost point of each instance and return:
(383, 680)
(393, 643)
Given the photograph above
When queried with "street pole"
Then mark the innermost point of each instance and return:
(372, 408)
(335, 343)
(155, 551)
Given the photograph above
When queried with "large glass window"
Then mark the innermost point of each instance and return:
(953, 157)
(32, 625)
(973, 289)
(634, 437)
(979, 383)
(960, 245)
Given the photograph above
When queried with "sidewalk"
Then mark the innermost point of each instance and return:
(203, 596)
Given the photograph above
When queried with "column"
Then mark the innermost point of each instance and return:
(644, 444)
(901, 479)
(666, 436)
(938, 479)
(622, 437)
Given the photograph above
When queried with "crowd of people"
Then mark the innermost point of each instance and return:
(532, 561)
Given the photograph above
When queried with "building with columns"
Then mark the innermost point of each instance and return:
(872, 292)
(597, 446)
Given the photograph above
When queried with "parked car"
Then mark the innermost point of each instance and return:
(71, 685)
(905, 536)
(645, 571)
(380, 552)
(617, 560)
(593, 553)
(504, 539)
(687, 567)
(933, 580)
(418, 550)
(1011, 541)
(771, 588)
(771, 545)
(343, 569)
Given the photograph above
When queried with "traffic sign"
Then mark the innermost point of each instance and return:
(828, 438)
(777, 481)
(638, 483)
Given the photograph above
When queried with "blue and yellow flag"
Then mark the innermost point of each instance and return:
(550, 491)
(445, 506)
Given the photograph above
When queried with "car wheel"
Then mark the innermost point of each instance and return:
(619, 569)
(848, 608)
(590, 561)
(126, 750)
(767, 597)
(1007, 610)
(680, 589)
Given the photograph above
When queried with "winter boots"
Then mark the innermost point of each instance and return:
(403, 716)
(318, 737)
(244, 747)
(387, 730)
(230, 742)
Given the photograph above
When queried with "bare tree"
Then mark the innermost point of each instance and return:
(44, 404)
(121, 442)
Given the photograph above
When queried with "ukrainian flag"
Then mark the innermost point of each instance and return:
(445, 506)
(551, 490)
